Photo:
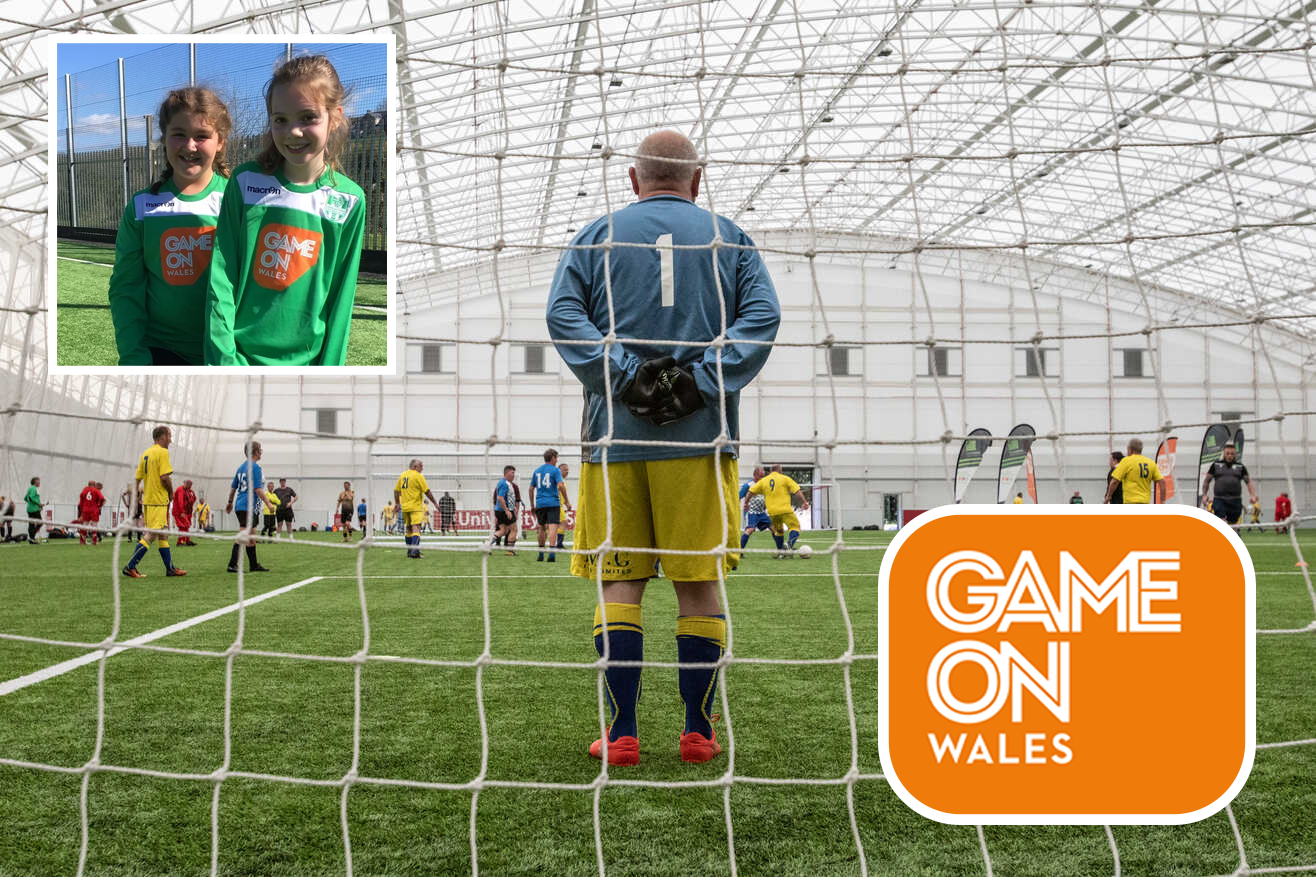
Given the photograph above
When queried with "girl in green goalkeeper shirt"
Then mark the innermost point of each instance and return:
(162, 252)
(290, 232)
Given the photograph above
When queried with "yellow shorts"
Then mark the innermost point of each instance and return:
(413, 519)
(156, 517)
(683, 504)
(785, 522)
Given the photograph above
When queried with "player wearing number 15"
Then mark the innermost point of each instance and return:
(661, 268)
(154, 487)
(1135, 473)
(409, 493)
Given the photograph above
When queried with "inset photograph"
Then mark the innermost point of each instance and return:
(221, 204)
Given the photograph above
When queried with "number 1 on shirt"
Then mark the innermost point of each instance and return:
(666, 269)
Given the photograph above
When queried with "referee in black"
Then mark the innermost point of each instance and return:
(1229, 475)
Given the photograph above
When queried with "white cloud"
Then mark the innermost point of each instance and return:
(97, 123)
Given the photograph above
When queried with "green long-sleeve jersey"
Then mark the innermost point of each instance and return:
(162, 256)
(284, 278)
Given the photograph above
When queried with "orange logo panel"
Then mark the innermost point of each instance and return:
(283, 254)
(185, 254)
(1067, 664)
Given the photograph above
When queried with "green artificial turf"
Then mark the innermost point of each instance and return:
(85, 333)
(291, 721)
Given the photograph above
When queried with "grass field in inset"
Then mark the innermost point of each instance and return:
(292, 720)
(85, 333)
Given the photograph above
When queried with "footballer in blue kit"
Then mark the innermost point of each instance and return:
(756, 510)
(548, 493)
(246, 482)
(505, 510)
(661, 268)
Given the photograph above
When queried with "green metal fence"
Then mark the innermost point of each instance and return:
(109, 139)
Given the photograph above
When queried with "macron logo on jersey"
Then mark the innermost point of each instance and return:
(326, 203)
(185, 254)
(283, 254)
(146, 205)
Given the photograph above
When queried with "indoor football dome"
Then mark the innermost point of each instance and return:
(1058, 226)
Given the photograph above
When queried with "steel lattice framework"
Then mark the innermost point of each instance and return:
(1167, 142)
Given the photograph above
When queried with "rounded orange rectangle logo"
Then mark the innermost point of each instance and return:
(1067, 664)
(185, 254)
(283, 254)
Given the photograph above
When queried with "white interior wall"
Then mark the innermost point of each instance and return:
(484, 410)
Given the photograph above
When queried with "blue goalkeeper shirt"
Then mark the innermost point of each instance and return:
(662, 294)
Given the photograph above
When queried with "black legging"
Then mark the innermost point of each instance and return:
(251, 549)
(32, 528)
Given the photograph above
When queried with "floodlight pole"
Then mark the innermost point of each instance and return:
(191, 64)
(150, 155)
(68, 135)
(123, 132)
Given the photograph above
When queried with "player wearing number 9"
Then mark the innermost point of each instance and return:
(655, 273)
(1136, 473)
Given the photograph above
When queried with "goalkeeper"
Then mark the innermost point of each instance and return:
(680, 275)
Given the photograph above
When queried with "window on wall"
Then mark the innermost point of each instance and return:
(431, 359)
(326, 421)
(942, 362)
(1233, 419)
(1134, 363)
(1037, 362)
(842, 362)
(534, 357)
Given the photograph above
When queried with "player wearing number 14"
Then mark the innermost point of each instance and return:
(1136, 473)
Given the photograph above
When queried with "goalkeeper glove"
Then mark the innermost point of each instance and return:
(663, 392)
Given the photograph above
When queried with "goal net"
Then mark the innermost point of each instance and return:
(1094, 220)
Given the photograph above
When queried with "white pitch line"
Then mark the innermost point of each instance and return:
(85, 261)
(766, 575)
(81, 661)
(110, 265)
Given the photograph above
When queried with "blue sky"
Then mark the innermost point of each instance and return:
(76, 57)
(238, 71)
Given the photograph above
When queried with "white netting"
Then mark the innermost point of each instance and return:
(1149, 165)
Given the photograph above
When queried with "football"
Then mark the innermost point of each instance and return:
(805, 551)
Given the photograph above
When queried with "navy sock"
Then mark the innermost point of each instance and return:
(625, 643)
(699, 639)
(780, 544)
(795, 534)
(744, 538)
(138, 555)
(168, 561)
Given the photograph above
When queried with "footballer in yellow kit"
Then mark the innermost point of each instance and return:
(777, 490)
(409, 493)
(154, 488)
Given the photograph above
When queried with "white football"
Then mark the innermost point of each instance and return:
(805, 551)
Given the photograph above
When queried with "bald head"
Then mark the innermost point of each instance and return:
(666, 162)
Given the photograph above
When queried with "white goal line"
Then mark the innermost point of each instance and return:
(82, 660)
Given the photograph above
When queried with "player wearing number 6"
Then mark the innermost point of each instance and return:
(1135, 473)
(662, 269)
